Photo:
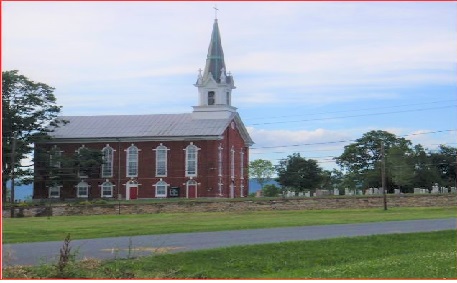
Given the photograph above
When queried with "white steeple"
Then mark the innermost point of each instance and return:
(215, 85)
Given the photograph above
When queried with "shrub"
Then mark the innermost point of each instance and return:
(271, 190)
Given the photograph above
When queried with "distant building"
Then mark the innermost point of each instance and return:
(200, 154)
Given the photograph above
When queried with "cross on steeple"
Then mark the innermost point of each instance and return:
(215, 11)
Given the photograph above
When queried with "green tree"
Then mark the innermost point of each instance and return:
(28, 109)
(444, 160)
(299, 173)
(262, 170)
(425, 173)
(400, 167)
(361, 159)
(55, 169)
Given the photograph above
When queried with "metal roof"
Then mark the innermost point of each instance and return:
(122, 126)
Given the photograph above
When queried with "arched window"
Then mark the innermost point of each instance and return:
(81, 173)
(191, 160)
(132, 161)
(82, 190)
(219, 160)
(161, 189)
(55, 155)
(107, 166)
(161, 160)
(232, 163)
(211, 98)
(227, 98)
(107, 190)
(241, 164)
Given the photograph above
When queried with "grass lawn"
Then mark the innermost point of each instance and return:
(19, 230)
(415, 255)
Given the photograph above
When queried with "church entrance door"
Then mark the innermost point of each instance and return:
(131, 191)
(133, 194)
(191, 189)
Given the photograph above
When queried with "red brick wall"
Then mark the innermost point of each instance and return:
(207, 174)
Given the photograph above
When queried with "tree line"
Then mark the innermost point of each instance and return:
(408, 166)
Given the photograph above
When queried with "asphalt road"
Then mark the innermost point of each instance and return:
(120, 247)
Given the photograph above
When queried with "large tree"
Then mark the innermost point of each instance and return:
(362, 158)
(29, 109)
(262, 170)
(445, 162)
(55, 169)
(298, 173)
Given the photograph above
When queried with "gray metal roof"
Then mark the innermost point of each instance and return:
(123, 126)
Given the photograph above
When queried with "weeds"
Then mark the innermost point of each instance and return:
(65, 257)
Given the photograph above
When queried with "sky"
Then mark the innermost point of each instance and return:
(311, 77)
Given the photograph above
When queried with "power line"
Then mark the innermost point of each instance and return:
(358, 109)
(344, 141)
(353, 116)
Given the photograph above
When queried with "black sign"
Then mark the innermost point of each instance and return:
(174, 192)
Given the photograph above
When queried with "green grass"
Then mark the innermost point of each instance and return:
(415, 255)
(19, 230)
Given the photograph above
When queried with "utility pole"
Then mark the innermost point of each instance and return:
(383, 175)
(13, 165)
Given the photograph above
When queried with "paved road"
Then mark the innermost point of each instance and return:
(110, 248)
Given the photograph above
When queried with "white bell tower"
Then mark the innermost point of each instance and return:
(214, 85)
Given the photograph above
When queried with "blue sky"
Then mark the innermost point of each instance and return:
(311, 77)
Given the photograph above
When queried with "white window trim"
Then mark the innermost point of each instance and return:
(101, 189)
(232, 163)
(79, 173)
(111, 162)
(157, 149)
(220, 186)
(189, 183)
(160, 184)
(219, 161)
(55, 151)
(127, 165)
(58, 189)
(186, 173)
(87, 190)
(242, 164)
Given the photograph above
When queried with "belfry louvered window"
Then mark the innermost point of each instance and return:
(211, 98)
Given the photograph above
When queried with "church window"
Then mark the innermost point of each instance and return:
(161, 189)
(219, 160)
(81, 174)
(191, 160)
(232, 163)
(54, 157)
(107, 166)
(82, 190)
(107, 189)
(227, 98)
(242, 164)
(132, 161)
(54, 192)
(211, 98)
(161, 160)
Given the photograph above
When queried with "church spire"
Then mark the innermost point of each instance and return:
(215, 58)
(215, 85)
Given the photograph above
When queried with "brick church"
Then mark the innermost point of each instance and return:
(204, 153)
